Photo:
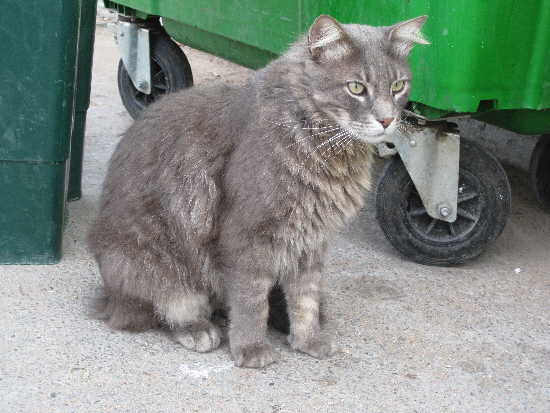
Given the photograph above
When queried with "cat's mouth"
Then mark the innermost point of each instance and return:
(372, 133)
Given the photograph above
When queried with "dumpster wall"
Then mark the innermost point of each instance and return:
(37, 104)
(496, 54)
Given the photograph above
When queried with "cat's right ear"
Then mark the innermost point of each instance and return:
(327, 40)
(404, 35)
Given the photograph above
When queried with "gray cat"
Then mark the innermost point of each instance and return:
(218, 193)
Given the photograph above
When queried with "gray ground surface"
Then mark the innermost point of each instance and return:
(413, 338)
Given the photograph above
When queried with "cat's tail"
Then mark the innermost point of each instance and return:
(123, 313)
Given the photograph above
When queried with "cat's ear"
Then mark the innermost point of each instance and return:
(404, 35)
(327, 40)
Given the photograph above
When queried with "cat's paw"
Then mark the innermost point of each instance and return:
(201, 337)
(318, 347)
(254, 355)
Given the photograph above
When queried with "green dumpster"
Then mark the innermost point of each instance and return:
(486, 58)
(441, 199)
(44, 92)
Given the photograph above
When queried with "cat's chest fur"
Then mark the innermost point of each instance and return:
(317, 203)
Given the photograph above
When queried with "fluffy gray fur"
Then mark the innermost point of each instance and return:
(217, 193)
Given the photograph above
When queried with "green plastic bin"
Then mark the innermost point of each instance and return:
(488, 58)
(44, 94)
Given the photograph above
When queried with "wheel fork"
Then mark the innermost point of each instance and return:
(133, 43)
(430, 153)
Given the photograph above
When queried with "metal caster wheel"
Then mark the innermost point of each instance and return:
(170, 71)
(484, 198)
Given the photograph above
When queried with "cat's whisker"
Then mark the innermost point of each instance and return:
(348, 139)
(310, 136)
(334, 129)
(314, 128)
(337, 143)
(344, 144)
(287, 124)
(308, 127)
(327, 142)
(294, 121)
(299, 140)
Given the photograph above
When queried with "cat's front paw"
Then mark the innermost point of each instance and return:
(254, 355)
(201, 337)
(318, 347)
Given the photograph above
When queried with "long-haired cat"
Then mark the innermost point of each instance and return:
(218, 193)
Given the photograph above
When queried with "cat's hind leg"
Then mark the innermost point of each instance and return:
(121, 309)
(188, 315)
(124, 313)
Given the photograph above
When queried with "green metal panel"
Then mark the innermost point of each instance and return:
(267, 24)
(486, 56)
(528, 122)
(225, 47)
(31, 212)
(38, 99)
(37, 78)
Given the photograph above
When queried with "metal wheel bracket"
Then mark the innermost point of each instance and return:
(133, 43)
(431, 156)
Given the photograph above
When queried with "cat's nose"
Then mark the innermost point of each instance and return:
(386, 122)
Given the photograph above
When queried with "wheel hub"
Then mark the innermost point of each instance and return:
(159, 85)
(470, 206)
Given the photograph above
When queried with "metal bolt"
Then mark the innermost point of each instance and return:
(412, 142)
(444, 211)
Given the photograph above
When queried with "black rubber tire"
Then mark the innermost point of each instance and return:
(539, 172)
(170, 71)
(481, 173)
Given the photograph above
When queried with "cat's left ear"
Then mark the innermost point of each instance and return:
(403, 36)
(327, 40)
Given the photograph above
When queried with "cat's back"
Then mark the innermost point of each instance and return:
(180, 131)
(201, 114)
(175, 152)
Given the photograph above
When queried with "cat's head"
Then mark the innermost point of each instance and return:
(360, 73)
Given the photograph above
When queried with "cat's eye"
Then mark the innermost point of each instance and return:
(356, 88)
(397, 86)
